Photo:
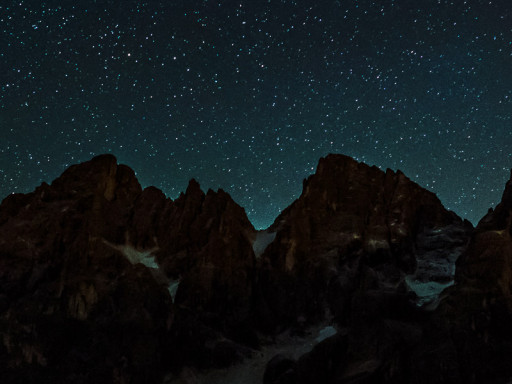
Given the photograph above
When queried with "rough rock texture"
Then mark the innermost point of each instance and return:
(477, 313)
(101, 281)
(73, 308)
(87, 268)
(466, 339)
(354, 230)
(202, 242)
(350, 247)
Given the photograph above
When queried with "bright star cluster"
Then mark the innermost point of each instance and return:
(248, 95)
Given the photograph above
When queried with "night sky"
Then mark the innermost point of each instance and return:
(247, 95)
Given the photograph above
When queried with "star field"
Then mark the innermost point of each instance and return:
(248, 95)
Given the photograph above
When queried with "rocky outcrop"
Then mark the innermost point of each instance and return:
(103, 281)
(466, 339)
(74, 309)
(354, 229)
(201, 241)
(90, 266)
(362, 247)
(477, 312)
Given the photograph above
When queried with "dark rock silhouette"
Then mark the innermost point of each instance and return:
(74, 309)
(353, 230)
(476, 315)
(102, 281)
(351, 247)
(88, 265)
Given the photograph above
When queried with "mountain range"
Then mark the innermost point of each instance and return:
(103, 281)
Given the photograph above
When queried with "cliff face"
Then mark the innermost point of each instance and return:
(354, 229)
(477, 312)
(73, 307)
(102, 281)
(466, 339)
(90, 265)
(486, 264)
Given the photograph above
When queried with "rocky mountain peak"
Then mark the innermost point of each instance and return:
(96, 272)
(477, 311)
(506, 199)
(499, 218)
(95, 252)
(354, 222)
(100, 175)
(365, 202)
(194, 189)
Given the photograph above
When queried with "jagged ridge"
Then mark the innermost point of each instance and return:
(156, 284)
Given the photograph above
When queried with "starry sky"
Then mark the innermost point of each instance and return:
(247, 95)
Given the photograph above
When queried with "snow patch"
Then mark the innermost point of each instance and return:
(262, 241)
(146, 258)
(140, 257)
(326, 333)
(251, 370)
(136, 256)
(437, 251)
(427, 291)
(173, 288)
